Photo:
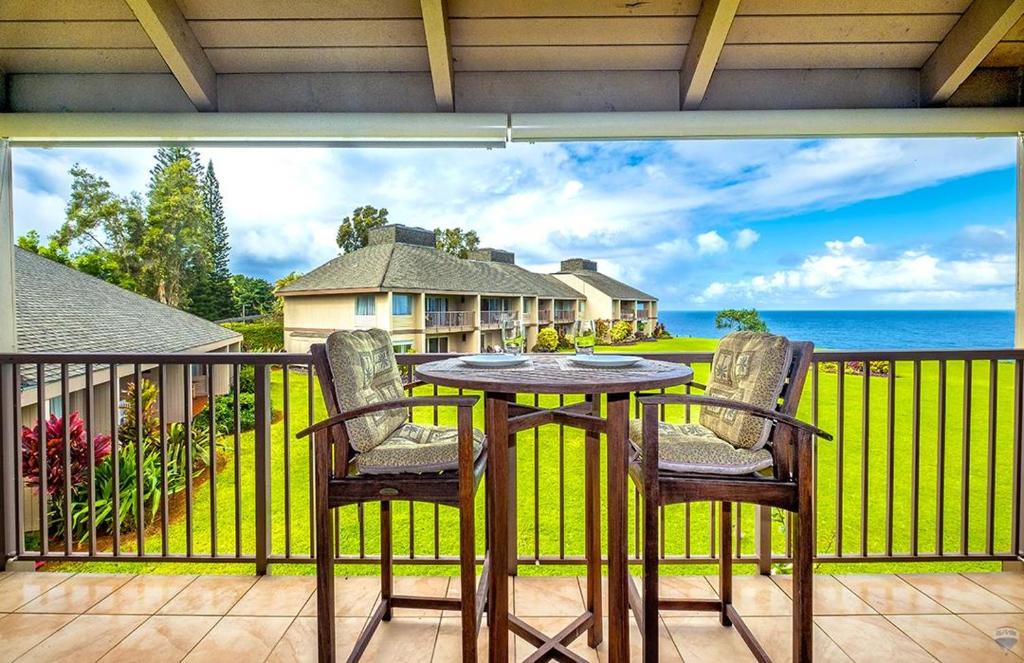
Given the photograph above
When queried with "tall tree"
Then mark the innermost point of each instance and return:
(211, 297)
(165, 156)
(354, 231)
(456, 241)
(287, 279)
(175, 246)
(252, 295)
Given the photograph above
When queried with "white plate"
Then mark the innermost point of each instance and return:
(605, 361)
(494, 360)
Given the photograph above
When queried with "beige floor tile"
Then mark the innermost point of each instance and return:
(162, 639)
(872, 638)
(776, 636)
(991, 624)
(142, 595)
(1008, 585)
(684, 587)
(701, 639)
(354, 596)
(449, 641)
(299, 643)
(209, 595)
(85, 639)
(949, 638)
(455, 591)
(890, 594)
(77, 594)
(282, 596)
(427, 586)
(405, 639)
(757, 596)
(240, 639)
(21, 632)
(958, 594)
(547, 597)
(667, 652)
(20, 588)
(551, 626)
(831, 597)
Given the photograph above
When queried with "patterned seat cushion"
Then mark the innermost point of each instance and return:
(692, 448)
(750, 367)
(365, 372)
(416, 448)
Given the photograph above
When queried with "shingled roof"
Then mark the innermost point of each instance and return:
(609, 286)
(400, 266)
(60, 309)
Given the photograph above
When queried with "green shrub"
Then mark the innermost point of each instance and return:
(878, 368)
(265, 335)
(547, 340)
(224, 414)
(565, 341)
(601, 328)
(247, 379)
(620, 331)
(660, 331)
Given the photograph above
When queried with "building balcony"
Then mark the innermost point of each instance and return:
(449, 320)
(493, 319)
(543, 316)
(565, 316)
(627, 315)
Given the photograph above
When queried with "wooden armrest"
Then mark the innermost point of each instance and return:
(689, 399)
(412, 401)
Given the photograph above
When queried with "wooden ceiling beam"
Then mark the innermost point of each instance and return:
(705, 47)
(972, 38)
(439, 52)
(173, 38)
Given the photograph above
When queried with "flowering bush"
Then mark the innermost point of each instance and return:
(78, 453)
(620, 331)
(547, 340)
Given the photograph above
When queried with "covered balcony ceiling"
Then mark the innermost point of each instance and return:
(508, 56)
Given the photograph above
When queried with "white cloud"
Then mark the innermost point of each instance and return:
(711, 242)
(746, 238)
(847, 269)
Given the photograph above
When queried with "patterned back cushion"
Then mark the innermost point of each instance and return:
(365, 372)
(750, 367)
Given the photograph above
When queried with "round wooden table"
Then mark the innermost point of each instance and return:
(557, 374)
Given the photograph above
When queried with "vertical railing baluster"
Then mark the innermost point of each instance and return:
(65, 405)
(161, 384)
(536, 486)
(437, 509)
(840, 420)
(287, 450)
(115, 452)
(815, 484)
(687, 550)
(261, 394)
(311, 453)
(1016, 533)
(211, 467)
(44, 506)
(865, 440)
(890, 455)
(965, 463)
(940, 464)
(140, 443)
(561, 483)
(993, 409)
(19, 507)
(186, 376)
(915, 459)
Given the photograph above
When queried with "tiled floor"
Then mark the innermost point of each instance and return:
(81, 618)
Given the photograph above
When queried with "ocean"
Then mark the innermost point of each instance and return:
(866, 330)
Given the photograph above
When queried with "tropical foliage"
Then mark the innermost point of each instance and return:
(547, 340)
(354, 231)
(32, 453)
(620, 331)
(456, 241)
(745, 319)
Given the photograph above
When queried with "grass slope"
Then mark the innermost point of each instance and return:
(551, 477)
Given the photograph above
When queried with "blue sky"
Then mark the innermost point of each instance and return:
(811, 224)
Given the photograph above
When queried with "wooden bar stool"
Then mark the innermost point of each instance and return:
(368, 451)
(747, 448)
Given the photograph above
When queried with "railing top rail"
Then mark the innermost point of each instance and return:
(300, 358)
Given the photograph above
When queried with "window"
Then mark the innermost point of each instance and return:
(401, 305)
(56, 406)
(366, 305)
(527, 305)
(437, 344)
(581, 306)
(402, 347)
(437, 304)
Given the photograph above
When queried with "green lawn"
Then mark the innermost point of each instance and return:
(545, 460)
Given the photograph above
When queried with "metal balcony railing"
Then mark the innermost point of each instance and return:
(565, 316)
(494, 318)
(449, 319)
(925, 466)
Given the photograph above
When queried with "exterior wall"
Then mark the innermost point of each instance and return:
(309, 319)
(599, 305)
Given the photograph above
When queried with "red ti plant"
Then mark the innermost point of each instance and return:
(78, 457)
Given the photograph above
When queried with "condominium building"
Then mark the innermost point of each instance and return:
(432, 301)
